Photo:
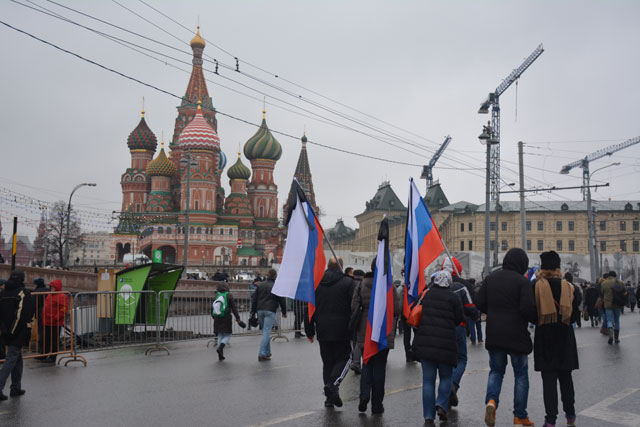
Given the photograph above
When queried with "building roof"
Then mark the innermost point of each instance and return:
(461, 206)
(435, 198)
(564, 206)
(222, 160)
(263, 145)
(199, 134)
(161, 165)
(198, 41)
(239, 170)
(340, 232)
(385, 199)
(141, 138)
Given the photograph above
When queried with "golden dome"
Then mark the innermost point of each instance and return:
(161, 165)
(198, 41)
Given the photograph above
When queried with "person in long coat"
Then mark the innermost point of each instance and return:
(590, 299)
(223, 326)
(555, 352)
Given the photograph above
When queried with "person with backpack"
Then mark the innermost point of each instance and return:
(223, 305)
(16, 313)
(614, 296)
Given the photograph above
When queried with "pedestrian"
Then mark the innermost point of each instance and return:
(578, 295)
(374, 371)
(222, 324)
(300, 310)
(39, 296)
(632, 297)
(506, 297)
(590, 299)
(330, 322)
(265, 305)
(349, 272)
(435, 344)
(252, 293)
(356, 353)
(555, 351)
(613, 296)
(464, 292)
(54, 311)
(16, 314)
(475, 325)
(600, 305)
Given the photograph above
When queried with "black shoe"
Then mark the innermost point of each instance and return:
(328, 403)
(220, 351)
(356, 370)
(610, 330)
(377, 411)
(3, 396)
(362, 406)
(453, 397)
(442, 415)
(298, 334)
(616, 335)
(333, 395)
(16, 393)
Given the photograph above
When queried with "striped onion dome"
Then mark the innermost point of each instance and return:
(263, 144)
(141, 138)
(199, 134)
(223, 160)
(239, 170)
(161, 165)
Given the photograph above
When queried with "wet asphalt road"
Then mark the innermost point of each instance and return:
(190, 387)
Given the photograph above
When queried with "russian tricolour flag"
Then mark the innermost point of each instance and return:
(303, 262)
(380, 316)
(423, 244)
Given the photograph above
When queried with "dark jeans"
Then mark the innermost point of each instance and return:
(336, 358)
(12, 366)
(458, 371)
(406, 336)
(475, 329)
(550, 380)
(498, 365)
(372, 379)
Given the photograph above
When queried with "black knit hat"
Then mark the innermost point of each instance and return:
(549, 260)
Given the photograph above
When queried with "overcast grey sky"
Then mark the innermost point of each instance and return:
(421, 66)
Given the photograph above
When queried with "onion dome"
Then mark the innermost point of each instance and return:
(223, 161)
(142, 138)
(161, 165)
(199, 134)
(239, 170)
(198, 41)
(263, 144)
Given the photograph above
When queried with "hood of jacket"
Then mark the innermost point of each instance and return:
(516, 260)
(56, 285)
(16, 280)
(331, 277)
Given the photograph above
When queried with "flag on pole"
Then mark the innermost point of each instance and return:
(423, 244)
(303, 261)
(380, 315)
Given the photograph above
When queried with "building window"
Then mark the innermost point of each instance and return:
(623, 245)
(540, 226)
(572, 245)
(160, 230)
(231, 232)
(492, 226)
(528, 245)
(462, 245)
(623, 226)
(249, 234)
(504, 226)
(572, 226)
(636, 225)
(222, 231)
(199, 230)
(603, 225)
(528, 225)
(558, 225)
(196, 205)
(168, 230)
(558, 245)
(504, 245)
(470, 226)
(470, 245)
(603, 246)
(243, 234)
(462, 228)
(492, 245)
(636, 246)
(191, 230)
(540, 245)
(137, 207)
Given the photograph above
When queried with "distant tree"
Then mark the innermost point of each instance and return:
(58, 231)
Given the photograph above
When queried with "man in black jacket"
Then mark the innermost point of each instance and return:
(506, 296)
(16, 313)
(331, 323)
(265, 305)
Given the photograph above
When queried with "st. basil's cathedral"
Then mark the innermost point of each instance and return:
(241, 228)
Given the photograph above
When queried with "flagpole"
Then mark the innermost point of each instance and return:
(324, 235)
(455, 267)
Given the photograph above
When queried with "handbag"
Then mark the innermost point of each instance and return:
(599, 303)
(356, 315)
(585, 315)
(416, 312)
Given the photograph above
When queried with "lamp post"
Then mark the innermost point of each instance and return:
(187, 163)
(66, 251)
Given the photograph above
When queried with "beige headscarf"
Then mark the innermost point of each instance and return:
(547, 312)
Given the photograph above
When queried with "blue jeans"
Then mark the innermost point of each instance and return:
(12, 366)
(372, 379)
(473, 328)
(458, 371)
(223, 338)
(429, 401)
(498, 365)
(603, 316)
(266, 319)
(613, 318)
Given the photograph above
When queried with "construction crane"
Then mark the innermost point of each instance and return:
(586, 195)
(427, 171)
(493, 102)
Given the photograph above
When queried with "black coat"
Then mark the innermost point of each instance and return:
(506, 296)
(554, 346)
(333, 308)
(435, 338)
(224, 325)
(265, 300)
(16, 312)
(590, 298)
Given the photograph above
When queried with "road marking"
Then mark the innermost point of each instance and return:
(601, 410)
(282, 419)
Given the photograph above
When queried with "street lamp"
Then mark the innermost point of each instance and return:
(66, 252)
(187, 163)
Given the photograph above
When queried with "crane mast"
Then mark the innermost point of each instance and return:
(427, 171)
